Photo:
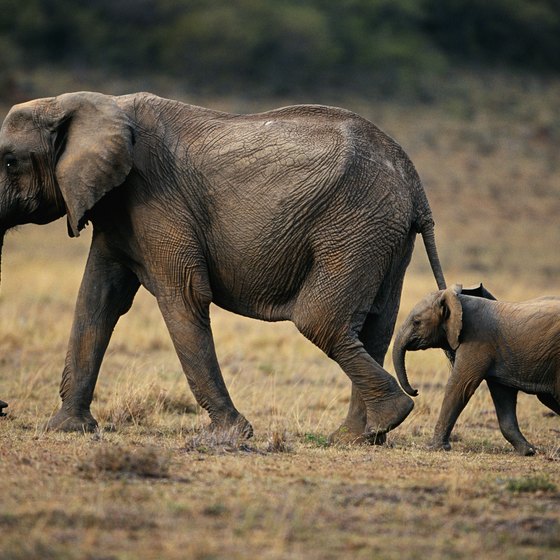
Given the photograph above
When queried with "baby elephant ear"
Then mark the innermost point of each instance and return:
(478, 290)
(452, 315)
(92, 144)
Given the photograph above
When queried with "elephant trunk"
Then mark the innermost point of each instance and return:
(399, 351)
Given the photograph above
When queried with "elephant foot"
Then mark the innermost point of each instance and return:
(64, 421)
(525, 449)
(387, 415)
(344, 435)
(237, 425)
(378, 438)
(439, 445)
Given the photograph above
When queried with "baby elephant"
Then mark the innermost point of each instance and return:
(514, 346)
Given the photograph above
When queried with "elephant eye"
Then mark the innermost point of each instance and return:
(416, 322)
(10, 161)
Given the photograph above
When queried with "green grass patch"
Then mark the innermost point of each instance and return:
(527, 484)
(318, 440)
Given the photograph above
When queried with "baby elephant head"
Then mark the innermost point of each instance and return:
(435, 322)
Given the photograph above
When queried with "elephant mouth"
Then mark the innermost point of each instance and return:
(414, 344)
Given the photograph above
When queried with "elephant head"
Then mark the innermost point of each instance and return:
(61, 155)
(435, 322)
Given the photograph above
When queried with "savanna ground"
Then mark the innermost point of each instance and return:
(152, 484)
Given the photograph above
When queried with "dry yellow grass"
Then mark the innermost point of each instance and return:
(153, 484)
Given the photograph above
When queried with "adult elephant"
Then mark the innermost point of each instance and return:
(305, 213)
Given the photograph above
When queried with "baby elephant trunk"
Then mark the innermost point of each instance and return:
(399, 351)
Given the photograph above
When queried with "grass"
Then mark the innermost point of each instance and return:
(539, 483)
(154, 483)
(146, 462)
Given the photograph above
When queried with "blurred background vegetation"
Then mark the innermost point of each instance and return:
(470, 88)
(276, 47)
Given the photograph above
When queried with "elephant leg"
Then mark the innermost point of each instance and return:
(385, 404)
(549, 401)
(467, 374)
(505, 402)
(189, 327)
(352, 430)
(377, 403)
(107, 291)
(376, 335)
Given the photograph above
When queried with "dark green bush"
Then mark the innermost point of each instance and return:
(279, 46)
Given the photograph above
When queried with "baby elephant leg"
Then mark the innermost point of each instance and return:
(466, 376)
(505, 401)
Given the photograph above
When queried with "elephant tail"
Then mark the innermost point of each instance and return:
(427, 232)
(424, 225)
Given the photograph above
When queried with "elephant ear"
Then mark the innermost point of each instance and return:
(452, 314)
(92, 146)
(478, 290)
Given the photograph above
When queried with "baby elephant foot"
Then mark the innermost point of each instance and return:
(65, 421)
(386, 415)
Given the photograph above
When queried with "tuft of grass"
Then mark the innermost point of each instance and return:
(217, 509)
(37, 547)
(318, 440)
(278, 443)
(144, 462)
(137, 405)
(215, 441)
(174, 404)
(530, 484)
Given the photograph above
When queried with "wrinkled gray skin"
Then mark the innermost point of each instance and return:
(513, 346)
(305, 213)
